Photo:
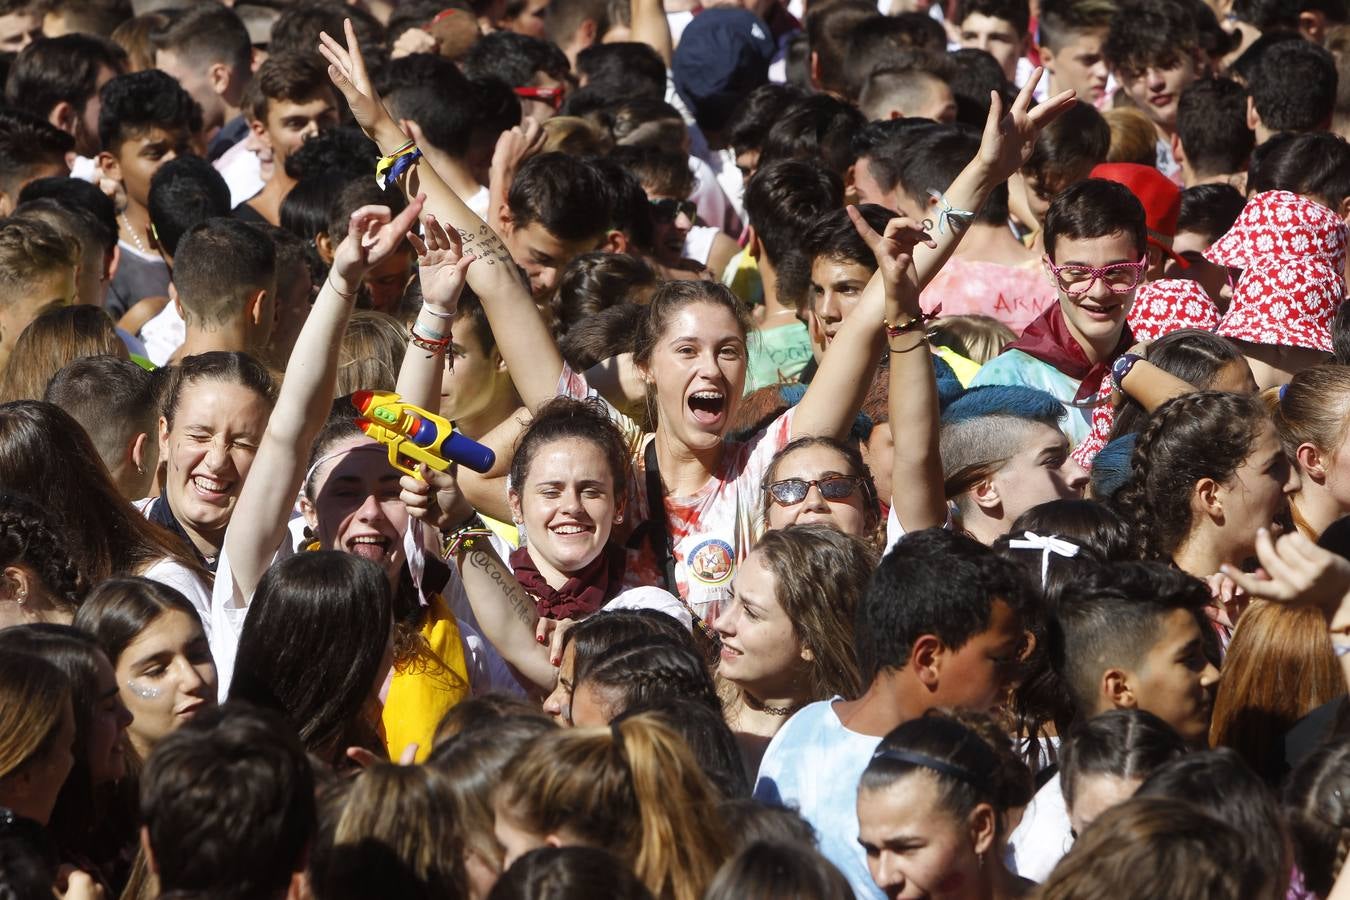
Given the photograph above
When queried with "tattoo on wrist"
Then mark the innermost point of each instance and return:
(514, 594)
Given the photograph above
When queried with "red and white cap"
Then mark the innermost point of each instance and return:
(1292, 255)
(1171, 304)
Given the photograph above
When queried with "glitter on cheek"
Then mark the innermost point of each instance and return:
(143, 691)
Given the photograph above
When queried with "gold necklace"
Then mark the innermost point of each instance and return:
(131, 232)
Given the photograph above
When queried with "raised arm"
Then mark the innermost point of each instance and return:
(837, 391)
(648, 24)
(916, 468)
(520, 331)
(1007, 142)
(441, 268)
(268, 496)
(505, 613)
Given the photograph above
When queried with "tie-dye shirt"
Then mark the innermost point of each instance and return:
(711, 531)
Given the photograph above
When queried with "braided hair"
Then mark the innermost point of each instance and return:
(1208, 434)
(646, 671)
(28, 539)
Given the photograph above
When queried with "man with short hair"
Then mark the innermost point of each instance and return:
(288, 102)
(20, 24)
(1096, 250)
(556, 210)
(574, 25)
(1295, 90)
(114, 400)
(224, 287)
(1213, 141)
(37, 273)
(914, 88)
(146, 120)
(535, 69)
(59, 79)
(1154, 51)
(1126, 635)
(29, 149)
(1071, 33)
(999, 28)
(207, 48)
(257, 846)
(939, 626)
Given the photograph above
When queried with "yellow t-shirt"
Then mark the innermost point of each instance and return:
(425, 687)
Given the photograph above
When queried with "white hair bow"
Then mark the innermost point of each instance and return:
(1047, 545)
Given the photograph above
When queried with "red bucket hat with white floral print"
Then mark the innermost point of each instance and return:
(1171, 304)
(1292, 253)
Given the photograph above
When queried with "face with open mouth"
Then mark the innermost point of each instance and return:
(567, 505)
(698, 367)
(217, 427)
(356, 506)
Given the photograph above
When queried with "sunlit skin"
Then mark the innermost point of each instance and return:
(567, 505)
(357, 508)
(761, 652)
(914, 846)
(290, 123)
(542, 254)
(1156, 90)
(813, 464)
(1175, 681)
(216, 431)
(1094, 794)
(997, 37)
(698, 369)
(1096, 318)
(836, 287)
(558, 704)
(20, 28)
(1078, 66)
(45, 291)
(978, 674)
(166, 676)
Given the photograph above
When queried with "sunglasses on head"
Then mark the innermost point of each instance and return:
(794, 490)
(553, 96)
(665, 212)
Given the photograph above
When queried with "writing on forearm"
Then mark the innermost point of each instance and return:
(519, 600)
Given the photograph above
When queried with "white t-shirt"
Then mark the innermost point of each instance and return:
(1043, 836)
(163, 335)
(710, 532)
(813, 764)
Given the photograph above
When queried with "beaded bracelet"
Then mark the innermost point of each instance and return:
(465, 537)
(917, 323)
(429, 344)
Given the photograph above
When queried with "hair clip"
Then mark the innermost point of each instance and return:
(1047, 545)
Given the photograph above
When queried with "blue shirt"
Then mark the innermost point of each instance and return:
(814, 764)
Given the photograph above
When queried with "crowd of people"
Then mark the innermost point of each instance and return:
(899, 450)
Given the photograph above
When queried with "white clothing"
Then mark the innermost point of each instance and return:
(714, 207)
(221, 623)
(242, 171)
(698, 243)
(813, 764)
(1043, 836)
(163, 335)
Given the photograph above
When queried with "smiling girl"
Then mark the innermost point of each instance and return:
(215, 409)
(161, 661)
(787, 633)
(691, 359)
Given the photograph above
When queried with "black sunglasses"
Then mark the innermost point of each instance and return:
(667, 211)
(794, 490)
